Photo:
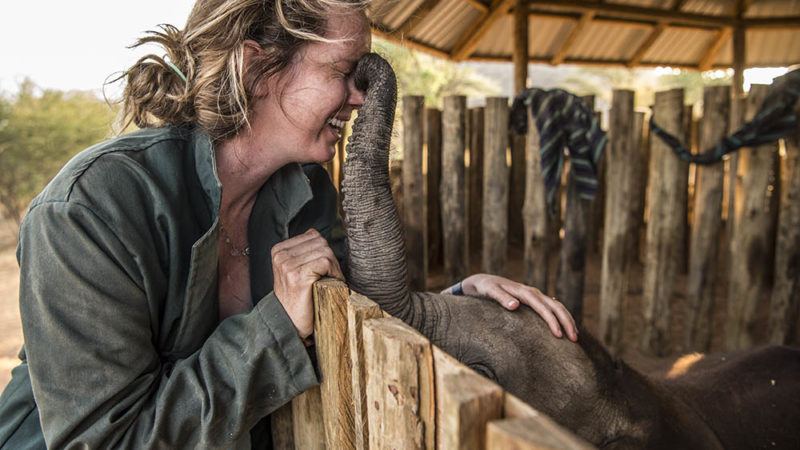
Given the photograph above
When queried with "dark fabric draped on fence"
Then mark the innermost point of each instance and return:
(563, 121)
(775, 119)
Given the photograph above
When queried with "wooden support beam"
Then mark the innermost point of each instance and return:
(410, 43)
(678, 5)
(452, 191)
(521, 53)
(707, 61)
(415, 18)
(647, 44)
(495, 186)
(562, 52)
(466, 402)
(469, 40)
(638, 12)
(531, 433)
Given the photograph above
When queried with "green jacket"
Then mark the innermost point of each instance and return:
(118, 296)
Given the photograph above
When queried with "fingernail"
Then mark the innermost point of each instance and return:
(512, 304)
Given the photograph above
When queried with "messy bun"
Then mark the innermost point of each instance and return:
(200, 78)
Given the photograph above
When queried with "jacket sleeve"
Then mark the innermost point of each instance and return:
(97, 376)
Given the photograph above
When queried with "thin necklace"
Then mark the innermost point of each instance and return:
(234, 250)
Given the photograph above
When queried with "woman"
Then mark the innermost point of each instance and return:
(166, 275)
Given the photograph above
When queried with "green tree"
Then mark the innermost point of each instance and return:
(40, 130)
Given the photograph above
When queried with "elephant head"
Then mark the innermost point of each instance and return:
(579, 385)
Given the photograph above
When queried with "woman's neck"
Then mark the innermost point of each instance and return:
(243, 167)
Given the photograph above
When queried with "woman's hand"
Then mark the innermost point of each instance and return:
(296, 264)
(510, 294)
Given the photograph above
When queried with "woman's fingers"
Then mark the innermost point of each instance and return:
(566, 319)
(537, 303)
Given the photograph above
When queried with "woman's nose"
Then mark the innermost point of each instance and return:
(355, 97)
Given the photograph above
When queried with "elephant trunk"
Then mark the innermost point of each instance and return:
(377, 256)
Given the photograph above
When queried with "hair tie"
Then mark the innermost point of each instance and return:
(176, 70)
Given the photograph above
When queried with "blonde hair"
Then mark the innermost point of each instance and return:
(209, 53)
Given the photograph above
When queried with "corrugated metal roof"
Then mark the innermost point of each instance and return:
(621, 31)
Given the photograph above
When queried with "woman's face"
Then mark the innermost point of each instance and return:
(304, 107)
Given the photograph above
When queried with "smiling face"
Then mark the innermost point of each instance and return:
(303, 109)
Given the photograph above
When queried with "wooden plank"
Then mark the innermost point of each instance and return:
(640, 13)
(478, 4)
(415, 206)
(331, 336)
(516, 194)
(617, 228)
(400, 387)
(534, 213)
(359, 310)
(495, 186)
(466, 402)
(785, 303)
(707, 224)
(753, 236)
(530, 434)
(433, 152)
(645, 46)
(666, 227)
(415, 18)
(468, 41)
(453, 190)
(475, 180)
(309, 425)
(710, 55)
(577, 29)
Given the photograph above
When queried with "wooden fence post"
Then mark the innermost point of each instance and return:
(617, 227)
(639, 190)
(785, 303)
(465, 403)
(359, 310)
(400, 396)
(535, 214)
(415, 205)
(516, 188)
(453, 190)
(433, 145)
(572, 261)
(665, 229)
(753, 235)
(475, 179)
(530, 434)
(707, 224)
(282, 428)
(495, 186)
(331, 336)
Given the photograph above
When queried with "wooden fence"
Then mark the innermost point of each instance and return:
(463, 207)
(385, 386)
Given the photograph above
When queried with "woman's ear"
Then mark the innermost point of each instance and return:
(251, 54)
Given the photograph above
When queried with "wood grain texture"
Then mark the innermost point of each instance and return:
(495, 186)
(433, 154)
(475, 180)
(785, 302)
(466, 402)
(414, 202)
(753, 239)
(529, 434)
(453, 190)
(331, 298)
(360, 309)
(666, 228)
(534, 213)
(707, 224)
(400, 396)
(307, 419)
(617, 227)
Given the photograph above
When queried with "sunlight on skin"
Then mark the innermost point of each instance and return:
(683, 364)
